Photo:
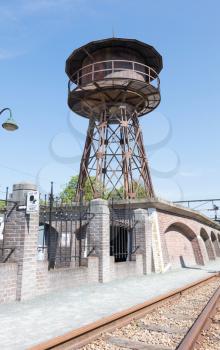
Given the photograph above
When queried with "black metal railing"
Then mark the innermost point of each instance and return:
(63, 233)
(6, 253)
(122, 232)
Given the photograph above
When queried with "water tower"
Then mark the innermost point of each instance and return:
(113, 82)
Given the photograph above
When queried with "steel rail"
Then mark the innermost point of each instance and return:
(202, 323)
(88, 333)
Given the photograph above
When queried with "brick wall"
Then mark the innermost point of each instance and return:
(216, 247)
(48, 281)
(187, 230)
(125, 269)
(143, 232)
(204, 250)
(208, 244)
(99, 234)
(1, 251)
(21, 233)
(179, 249)
(8, 282)
(175, 236)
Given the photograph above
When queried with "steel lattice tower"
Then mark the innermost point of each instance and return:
(113, 82)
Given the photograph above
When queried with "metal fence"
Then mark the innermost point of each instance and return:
(63, 233)
(6, 208)
(64, 237)
(2, 225)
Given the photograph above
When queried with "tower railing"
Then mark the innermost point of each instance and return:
(114, 69)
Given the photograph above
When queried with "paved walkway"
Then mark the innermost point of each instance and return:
(28, 323)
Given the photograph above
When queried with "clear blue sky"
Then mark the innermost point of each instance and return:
(36, 37)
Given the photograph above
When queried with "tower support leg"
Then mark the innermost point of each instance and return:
(114, 162)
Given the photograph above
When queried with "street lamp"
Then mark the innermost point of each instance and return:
(9, 124)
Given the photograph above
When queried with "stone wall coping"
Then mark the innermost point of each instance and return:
(168, 206)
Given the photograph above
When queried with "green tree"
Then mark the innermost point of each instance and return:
(2, 204)
(116, 194)
(69, 192)
(139, 189)
(88, 189)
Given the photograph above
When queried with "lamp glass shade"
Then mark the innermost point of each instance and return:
(10, 125)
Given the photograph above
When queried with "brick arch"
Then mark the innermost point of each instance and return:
(215, 243)
(183, 245)
(207, 242)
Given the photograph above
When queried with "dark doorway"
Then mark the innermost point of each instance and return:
(119, 243)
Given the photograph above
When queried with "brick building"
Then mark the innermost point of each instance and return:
(111, 242)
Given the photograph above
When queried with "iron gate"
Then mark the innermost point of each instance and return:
(122, 232)
(63, 234)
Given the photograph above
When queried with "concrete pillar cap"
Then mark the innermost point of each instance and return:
(99, 201)
(27, 186)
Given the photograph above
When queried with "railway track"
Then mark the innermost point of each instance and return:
(182, 320)
(209, 335)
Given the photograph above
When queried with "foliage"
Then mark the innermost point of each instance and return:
(2, 204)
(69, 192)
(138, 189)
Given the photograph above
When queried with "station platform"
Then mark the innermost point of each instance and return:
(25, 324)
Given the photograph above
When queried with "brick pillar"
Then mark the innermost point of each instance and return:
(158, 243)
(99, 231)
(213, 249)
(210, 249)
(203, 249)
(216, 248)
(218, 244)
(144, 238)
(21, 232)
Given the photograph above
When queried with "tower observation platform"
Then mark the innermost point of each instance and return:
(113, 82)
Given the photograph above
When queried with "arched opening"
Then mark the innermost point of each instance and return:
(119, 242)
(215, 244)
(207, 242)
(183, 246)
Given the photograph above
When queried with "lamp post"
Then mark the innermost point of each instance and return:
(9, 124)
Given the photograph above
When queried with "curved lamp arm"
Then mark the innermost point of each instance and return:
(9, 124)
(6, 109)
